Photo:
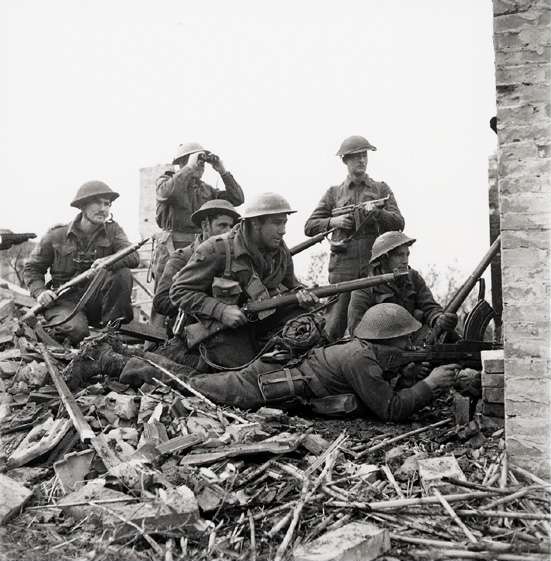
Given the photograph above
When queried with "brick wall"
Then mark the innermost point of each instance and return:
(522, 41)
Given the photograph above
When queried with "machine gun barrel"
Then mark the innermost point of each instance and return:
(310, 242)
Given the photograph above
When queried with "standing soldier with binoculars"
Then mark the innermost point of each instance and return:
(180, 193)
(360, 209)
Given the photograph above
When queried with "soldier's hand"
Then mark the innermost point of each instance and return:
(343, 222)
(46, 298)
(443, 376)
(218, 165)
(98, 262)
(194, 163)
(416, 371)
(446, 321)
(232, 316)
(307, 299)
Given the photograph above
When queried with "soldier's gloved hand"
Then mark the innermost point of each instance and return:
(443, 376)
(232, 316)
(218, 165)
(307, 299)
(446, 321)
(343, 222)
(46, 298)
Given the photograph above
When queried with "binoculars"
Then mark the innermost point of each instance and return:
(209, 157)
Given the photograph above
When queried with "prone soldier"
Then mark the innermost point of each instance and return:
(391, 252)
(249, 262)
(360, 209)
(69, 249)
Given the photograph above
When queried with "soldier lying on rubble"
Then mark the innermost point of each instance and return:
(215, 217)
(69, 249)
(250, 262)
(390, 252)
(356, 366)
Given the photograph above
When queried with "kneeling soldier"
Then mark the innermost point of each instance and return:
(67, 250)
(390, 252)
(251, 262)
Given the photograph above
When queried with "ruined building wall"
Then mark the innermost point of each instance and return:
(522, 41)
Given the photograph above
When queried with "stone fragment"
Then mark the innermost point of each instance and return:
(493, 380)
(72, 469)
(492, 361)
(8, 369)
(13, 497)
(273, 414)
(431, 471)
(396, 453)
(461, 408)
(493, 395)
(7, 309)
(315, 444)
(353, 542)
(116, 405)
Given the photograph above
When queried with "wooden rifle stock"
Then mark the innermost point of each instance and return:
(464, 290)
(309, 243)
(85, 276)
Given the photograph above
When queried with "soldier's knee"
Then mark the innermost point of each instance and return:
(122, 278)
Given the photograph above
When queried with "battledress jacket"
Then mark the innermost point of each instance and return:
(411, 292)
(63, 246)
(179, 194)
(354, 263)
(192, 287)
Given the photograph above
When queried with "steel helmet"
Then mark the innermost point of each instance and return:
(267, 203)
(210, 208)
(385, 321)
(187, 149)
(91, 190)
(387, 242)
(353, 145)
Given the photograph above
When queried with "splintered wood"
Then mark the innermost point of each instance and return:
(153, 473)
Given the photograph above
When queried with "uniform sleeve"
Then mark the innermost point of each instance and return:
(425, 300)
(120, 241)
(319, 219)
(360, 302)
(161, 301)
(37, 265)
(365, 376)
(233, 193)
(168, 185)
(290, 280)
(192, 285)
(390, 217)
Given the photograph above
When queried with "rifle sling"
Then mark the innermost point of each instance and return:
(84, 299)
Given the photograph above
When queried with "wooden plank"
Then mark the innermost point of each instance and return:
(14, 496)
(144, 331)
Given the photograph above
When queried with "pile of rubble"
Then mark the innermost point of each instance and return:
(108, 472)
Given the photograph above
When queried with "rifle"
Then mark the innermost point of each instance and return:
(309, 243)
(366, 206)
(85, 276)
(464, 290)
(198, 332)
(7, 239)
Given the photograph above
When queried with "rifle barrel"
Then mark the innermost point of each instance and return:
(309, 243)
(322, 291)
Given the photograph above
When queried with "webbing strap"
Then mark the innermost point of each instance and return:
(227, 247)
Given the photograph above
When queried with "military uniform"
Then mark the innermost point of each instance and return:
(179, 194)
(229, 270)
(65, 251)
(353, 262)
(355, 367)
(411, 292)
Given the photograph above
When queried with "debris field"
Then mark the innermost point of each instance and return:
(108, 472)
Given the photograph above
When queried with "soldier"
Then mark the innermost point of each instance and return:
(391, 252)
(250, 262)
(67, 250)
(215, 217)
(357, 229)
(359, 366)
(181, 193)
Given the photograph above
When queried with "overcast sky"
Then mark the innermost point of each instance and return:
(98, 90)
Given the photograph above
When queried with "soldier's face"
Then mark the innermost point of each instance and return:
(356, 163)
(398, 259)
(97, 211)
(219, 225)
(271, 230)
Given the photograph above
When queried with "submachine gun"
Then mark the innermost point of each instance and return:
(198, 332)
(95, 275)
(467, 350)
(9, 239)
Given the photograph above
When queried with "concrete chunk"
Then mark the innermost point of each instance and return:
(14, 496)
(431, 471)
(73, 468)
(357, 541)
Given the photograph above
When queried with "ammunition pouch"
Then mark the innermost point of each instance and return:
(227, 290)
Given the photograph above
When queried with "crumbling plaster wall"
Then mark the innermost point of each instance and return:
(522, 41)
